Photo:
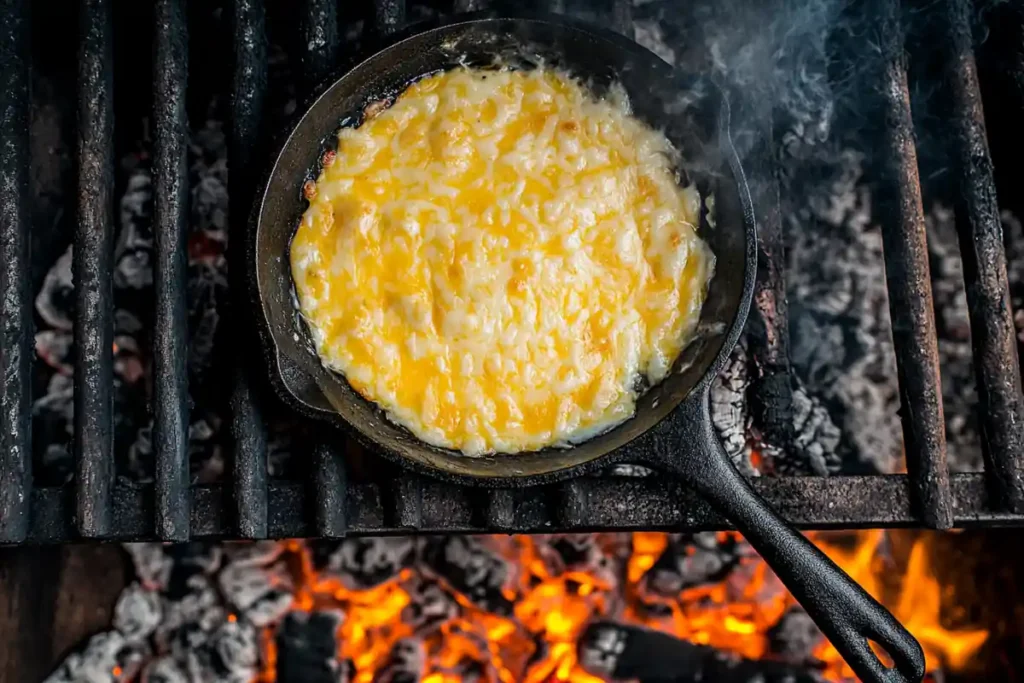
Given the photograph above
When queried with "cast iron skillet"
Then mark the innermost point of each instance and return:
(672, 429)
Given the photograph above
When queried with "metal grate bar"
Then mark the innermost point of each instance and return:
(625, 503)
(407, 502)
(329, 484)
(248, 90)
(328, 481)
(250, 462)
(500, 511)
(319, 38)
(771, 395)
(15, 292)
(909, 285)
(389, 15)
(170, 208)
(469, 5)
(622, 16)
(573, 508)
(92, 266)
(993, 335)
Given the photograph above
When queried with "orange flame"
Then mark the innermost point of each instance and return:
(916, 601)
(551, 607)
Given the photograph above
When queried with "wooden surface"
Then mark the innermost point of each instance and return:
(51, 599)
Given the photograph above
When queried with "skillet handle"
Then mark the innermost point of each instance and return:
(844, 611)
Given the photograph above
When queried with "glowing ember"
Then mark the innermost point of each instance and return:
(535, 639)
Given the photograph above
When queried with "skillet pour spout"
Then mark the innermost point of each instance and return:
(671, 429)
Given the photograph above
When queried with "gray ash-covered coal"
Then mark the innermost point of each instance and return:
(485, 608)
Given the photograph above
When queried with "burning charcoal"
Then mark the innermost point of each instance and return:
(137, 613)
(692, 560)
(164, 670)
(55, 301)
(307, 648)
(406, 664)
(618, 652)
(262, 594)
(430, 605)
(470, 568)
(579, 553)
(152, 565)
(794, 637)
(106, 658)
(361, 563)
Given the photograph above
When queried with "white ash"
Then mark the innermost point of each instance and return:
(152, 565)
(840, 335)
(729, 409)
(189, 617)
(53, 347)
(138, 612)
(253, 554)
(104, 654)
(164, 670)
(815, 433)
(262, 594)
(54, 300)
(361, 563)
(133, 252)
(236, 646)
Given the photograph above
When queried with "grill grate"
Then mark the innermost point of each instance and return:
(329, 505)
(910, 291)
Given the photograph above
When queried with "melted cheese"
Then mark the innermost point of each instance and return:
(498, 258)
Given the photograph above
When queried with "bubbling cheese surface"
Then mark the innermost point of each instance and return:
(498, 258)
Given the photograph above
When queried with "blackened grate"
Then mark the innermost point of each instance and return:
(252, 506)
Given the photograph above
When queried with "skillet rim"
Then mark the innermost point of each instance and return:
(374, 48)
